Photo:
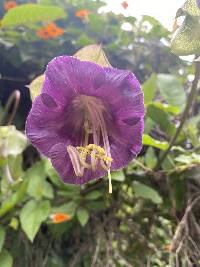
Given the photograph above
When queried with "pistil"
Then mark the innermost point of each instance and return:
(94, 124)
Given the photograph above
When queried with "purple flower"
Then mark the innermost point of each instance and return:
(198, 3)
(88, 119)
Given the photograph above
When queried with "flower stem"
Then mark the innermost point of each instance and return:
(15, 96)
(185, 114)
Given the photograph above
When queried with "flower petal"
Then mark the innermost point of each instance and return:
(127, 144)
(121, 84)
(127, 108)
(43, 123)
(66, 76)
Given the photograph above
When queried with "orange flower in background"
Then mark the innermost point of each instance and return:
(82, 13)
(10, 4)
(60, 217)
(43, 34)
(124, 5)
(50, 31)
(54, 30)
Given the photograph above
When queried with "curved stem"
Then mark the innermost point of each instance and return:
(6, 169)
(15, 96)
(185, 114)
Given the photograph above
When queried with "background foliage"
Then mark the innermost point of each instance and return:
(135, 226)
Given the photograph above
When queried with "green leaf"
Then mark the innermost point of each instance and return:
(93, 195)
(186, 40)
(14, 199)
(149, 141)
(161, 118)
(146, 192)
(168, 164)
(38, 187)
(132, 20)
(51, 173)
(35, 86)
(83, 216)
(13, 140)
(31, 13)
(149, 125)
(166, 108)
(14, 223)
(149, 88)
(2, 237)
(192, 129)
(188, 159)
(44, 2)
(6, 259)
(95, 24)
(15, 166)
(84, 40)
(150, 158)
(32, 215)
(118, 176)
(172, 90)
(93, 53)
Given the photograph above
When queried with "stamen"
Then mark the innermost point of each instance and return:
(95, 151)
(75, 159)
(94, 127)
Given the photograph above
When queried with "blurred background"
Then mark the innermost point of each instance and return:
(45, 223)
(24, 54)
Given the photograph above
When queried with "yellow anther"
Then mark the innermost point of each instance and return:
(95, 147)
(94, 151)
(90, 147)
(84, 150)
(108, 159)
(101, 151)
